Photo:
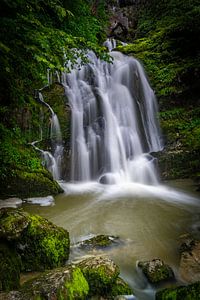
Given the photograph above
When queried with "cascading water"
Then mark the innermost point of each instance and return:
(114, 122)
(53, 161)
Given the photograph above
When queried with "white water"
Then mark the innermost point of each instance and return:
(114, 122)
(53, 159)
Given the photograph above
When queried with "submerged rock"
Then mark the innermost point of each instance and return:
(190, 292)
(98, 242)
(10, 266)
(62, 283)
(190, 259)
(40, 244)
(156, 270)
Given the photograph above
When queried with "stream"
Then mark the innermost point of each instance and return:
(148, 226)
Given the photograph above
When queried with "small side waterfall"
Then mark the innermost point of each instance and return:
(114, 122)
(53, 159)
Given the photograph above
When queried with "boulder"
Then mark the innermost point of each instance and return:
(120, 288)
(10, 266)
(58, 284)
(190, 292)
(101, 274)
(156, 270)
(190, 259)
(12, 223)
(40, 244)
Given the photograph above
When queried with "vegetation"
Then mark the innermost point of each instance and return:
(36, 37)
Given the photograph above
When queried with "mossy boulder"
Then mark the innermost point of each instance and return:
(12, 223)
(40, 244)
(190, 292)
(119, 288)
(10, 266)
(62, 283)
(36, 183)
(101, 273)
(156, 270)
(98, 242)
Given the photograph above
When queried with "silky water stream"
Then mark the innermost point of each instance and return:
(114, 187)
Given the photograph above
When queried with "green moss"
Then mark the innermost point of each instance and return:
(10, 266)
(120, 287)
(190, 292)
(12, 223)
(156, 271)
(100, 273)
(78, 288)
(43, 245)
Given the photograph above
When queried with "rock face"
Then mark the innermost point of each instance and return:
(190, 260)
(190, 292)
(156, 270)
(39, 243)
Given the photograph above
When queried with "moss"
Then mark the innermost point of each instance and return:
(156, 271)
(36, 183)
(99, 242)
(101, 274)
(12, 223)
(59, 284)
(10, 266)
(120, 287)
(78, 287)
(190, 292)
(43, 245)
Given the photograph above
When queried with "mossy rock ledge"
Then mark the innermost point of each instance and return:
(25, 184)
(156, 271)
(40, 244)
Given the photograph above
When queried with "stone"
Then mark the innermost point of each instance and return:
(190, 259)
(40, 244)
(156, 270)
(101, 273)
(12, 223)
(10, 266)
(58, 284)
(190, 292)
(120, 288)
(98, 242)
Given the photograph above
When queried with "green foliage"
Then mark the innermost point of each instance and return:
(183, 126)
(167, 42)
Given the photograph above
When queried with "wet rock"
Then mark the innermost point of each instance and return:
(101, 274)
(156, 270)
(12, 223)
(98, 242)
(190, 259)
(120, 288)
(11, 202)
(62, 283)
(10, 266)
(42, 201)
(40, 244)
(190, 292)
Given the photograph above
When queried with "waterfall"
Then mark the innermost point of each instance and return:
(53, 159)
(113, 121)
